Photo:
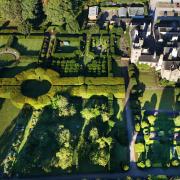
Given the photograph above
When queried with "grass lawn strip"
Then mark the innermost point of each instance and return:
(8, 113)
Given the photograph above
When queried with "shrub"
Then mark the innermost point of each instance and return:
(175, 163)
(125, 167)
(144, 124)
(151, 119)
(139, 147)
(177, 121)
(148, 163)
(137, 127)
(141, 164)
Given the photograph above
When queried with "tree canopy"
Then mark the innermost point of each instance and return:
(59, 12)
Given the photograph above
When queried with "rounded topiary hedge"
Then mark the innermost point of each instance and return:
(39, 74)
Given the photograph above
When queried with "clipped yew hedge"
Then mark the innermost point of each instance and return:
(87, 91)
(76, 86)
(104, 81)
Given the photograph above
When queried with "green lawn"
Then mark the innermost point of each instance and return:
(155, 96)
(160, 99)
(148, 78)
(28, 46)
(8, 113)
(164, 122)
(3, 40)
(159, 153)
(6, 59)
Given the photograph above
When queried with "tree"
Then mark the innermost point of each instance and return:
(64, 158)
(125, 167)
(105, 116)
(93, 134)
(61, 104)
(104, 141)
(12, 10)
(175, 162)
(5, 9)
(94, 29)
(100, 157)
(59, 12)
(89, 113)
(28, 9)
(63, 135)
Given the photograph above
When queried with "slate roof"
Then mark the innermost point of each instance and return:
(171, 65)
(148, 58)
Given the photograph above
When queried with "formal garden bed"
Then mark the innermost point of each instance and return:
(100, 44)
(69, 46)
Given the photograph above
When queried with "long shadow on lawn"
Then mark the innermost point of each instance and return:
(1, 102)
(11, 72)
(152, 103)
(167, 101)
(39, 147)
(22, 49)
(161, 149)
(5, 139)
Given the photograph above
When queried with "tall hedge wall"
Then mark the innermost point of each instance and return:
(76, 86)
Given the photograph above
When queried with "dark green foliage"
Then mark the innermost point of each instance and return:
(16, 11)
(59, 12)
